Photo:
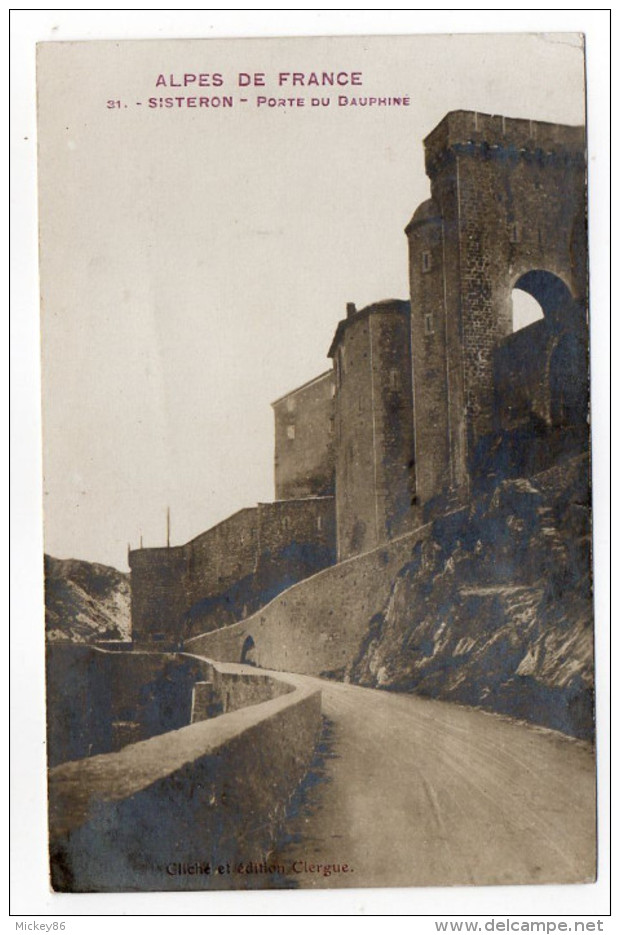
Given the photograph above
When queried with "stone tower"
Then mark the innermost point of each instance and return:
(507, 211)
(373, 426)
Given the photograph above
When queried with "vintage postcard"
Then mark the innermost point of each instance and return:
(316, 462)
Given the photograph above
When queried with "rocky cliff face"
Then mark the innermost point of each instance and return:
(85, 602)
(495, 609)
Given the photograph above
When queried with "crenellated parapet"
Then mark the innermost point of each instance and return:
(506, 138)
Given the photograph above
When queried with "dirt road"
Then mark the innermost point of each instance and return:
(409, 791)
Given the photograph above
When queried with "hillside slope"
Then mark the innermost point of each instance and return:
(85, 602)
(495, 608)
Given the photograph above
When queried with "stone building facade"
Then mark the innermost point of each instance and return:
(304, 440)
(426, 398)
(375, 480)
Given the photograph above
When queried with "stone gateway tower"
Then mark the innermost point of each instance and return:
(507, 211)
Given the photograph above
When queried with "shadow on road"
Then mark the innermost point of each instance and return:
(305, 803)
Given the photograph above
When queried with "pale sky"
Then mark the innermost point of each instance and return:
(195, 262)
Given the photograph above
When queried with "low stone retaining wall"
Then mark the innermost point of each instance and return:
(233, 687)
(99, 701)
(184, 809)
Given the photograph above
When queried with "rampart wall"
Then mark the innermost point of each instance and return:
(318, 625)
(228, 572)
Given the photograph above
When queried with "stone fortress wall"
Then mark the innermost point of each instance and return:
(317, 626)
(229, 571)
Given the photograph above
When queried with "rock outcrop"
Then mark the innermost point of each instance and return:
(85, 602)
(494, 610)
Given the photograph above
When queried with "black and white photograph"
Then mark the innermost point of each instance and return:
(317, 463)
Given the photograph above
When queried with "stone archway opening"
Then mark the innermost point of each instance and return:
(540, 370)
(525, 309)
(540, 294)
(248, 652)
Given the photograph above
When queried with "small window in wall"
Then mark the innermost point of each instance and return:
(330, 426)
(339, 371)
(290, 432)
(333, 389)
(394, 380)
(515, 233)
(290, 404)
(426, 261)
(319, 523)
(429, 326)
